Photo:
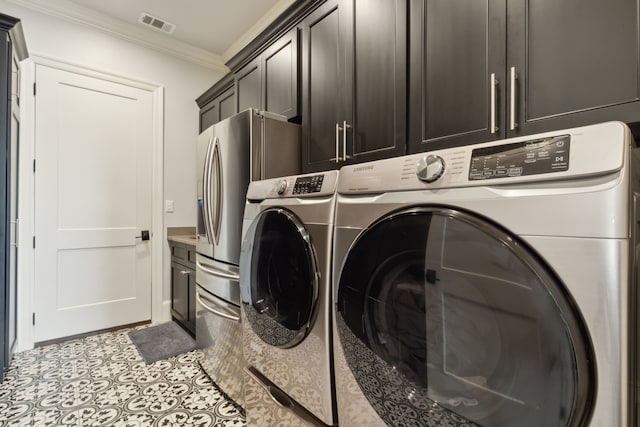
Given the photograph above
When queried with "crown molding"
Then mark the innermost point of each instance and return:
(257, 28)
(72, 12)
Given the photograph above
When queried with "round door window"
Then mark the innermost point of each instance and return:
(278, 280)
(445, 318)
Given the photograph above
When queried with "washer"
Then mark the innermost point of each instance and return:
(491, 285)
(285, 286)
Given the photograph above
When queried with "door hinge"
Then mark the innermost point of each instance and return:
(34, 242)
(34, 165)
(34, 88)
(34, 318)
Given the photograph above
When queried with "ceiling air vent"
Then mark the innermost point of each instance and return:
(158, 24)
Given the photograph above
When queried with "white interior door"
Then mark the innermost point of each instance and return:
(93, 150)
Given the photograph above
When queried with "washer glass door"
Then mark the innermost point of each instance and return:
(443, 315)
(278, 279)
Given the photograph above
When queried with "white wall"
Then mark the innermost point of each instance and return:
(183, 82)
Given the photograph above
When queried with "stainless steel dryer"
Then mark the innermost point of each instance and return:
(285, 287)
(491, 285)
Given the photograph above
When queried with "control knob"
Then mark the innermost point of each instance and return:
(430, 168)
(281, 186)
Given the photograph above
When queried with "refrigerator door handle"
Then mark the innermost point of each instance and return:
(218, 273)
(217, 307)
(206, 178)
(216, 197)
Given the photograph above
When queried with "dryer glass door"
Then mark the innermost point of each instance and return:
(278, 278)
(444, 315)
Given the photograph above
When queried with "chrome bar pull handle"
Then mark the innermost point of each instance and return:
(209, 269)
(512, 100)
(337, 142)
(493, 85)
(345, 126)
(201, 299)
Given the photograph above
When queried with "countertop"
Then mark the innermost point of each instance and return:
(186, 239)
(184, 235)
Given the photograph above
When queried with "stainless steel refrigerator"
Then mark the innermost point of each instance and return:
(248, 146)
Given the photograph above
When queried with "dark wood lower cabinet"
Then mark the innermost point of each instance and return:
(183, 285)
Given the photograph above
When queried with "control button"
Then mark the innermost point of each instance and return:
(430, 168)
(281, 186)
(560, 143)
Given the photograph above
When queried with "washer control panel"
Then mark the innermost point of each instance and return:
(297, 186)
(430, 168)
(531, 157)
(308, 184)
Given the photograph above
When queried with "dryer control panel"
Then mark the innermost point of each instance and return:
(530, 157)
(557, 155)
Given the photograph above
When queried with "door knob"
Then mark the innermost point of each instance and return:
(144, 235)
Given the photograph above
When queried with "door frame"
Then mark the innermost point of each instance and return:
(26, 192)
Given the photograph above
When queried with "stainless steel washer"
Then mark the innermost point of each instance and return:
(285, 286)
(492, 285)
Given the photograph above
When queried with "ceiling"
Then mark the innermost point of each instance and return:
(208, 32)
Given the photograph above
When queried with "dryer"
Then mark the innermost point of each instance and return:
(491, 285)
(285, 287)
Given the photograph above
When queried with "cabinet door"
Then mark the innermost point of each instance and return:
(320, 88)
(249, 86)
(373, 37)
(280, 64)
(209, 115)
(226, 103)
(457, 55)
(179, 291)
(191, 286)
(576, 62)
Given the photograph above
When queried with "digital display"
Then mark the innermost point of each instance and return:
(533, 157)
(308, 184)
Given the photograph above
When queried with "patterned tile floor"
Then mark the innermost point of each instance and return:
(102, 381)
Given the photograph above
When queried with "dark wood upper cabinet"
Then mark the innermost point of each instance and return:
(209, 115)
(452, 70)
(227, 104)
(280, 62)
(487, 70)
(218, 105)
(373, 37)
(249, 85)
(353, 82)
(320, 88)
(270, 81)
(575, 62)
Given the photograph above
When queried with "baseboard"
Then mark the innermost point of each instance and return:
(165, 315)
